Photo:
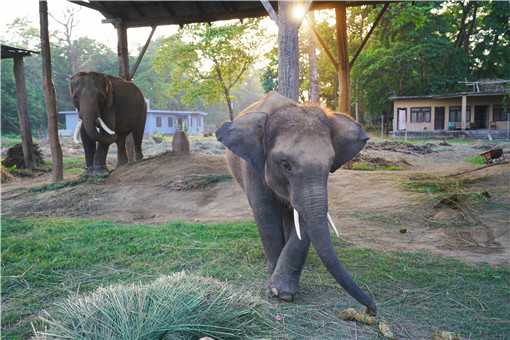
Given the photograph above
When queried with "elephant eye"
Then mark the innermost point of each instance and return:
(286, 165)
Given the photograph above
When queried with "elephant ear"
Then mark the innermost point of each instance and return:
(244, 137)
(347, 136)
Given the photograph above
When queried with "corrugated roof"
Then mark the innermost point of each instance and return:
(453, 95)
(149, 13)
(160, 112)
(11, 52)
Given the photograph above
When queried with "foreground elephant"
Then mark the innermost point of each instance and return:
(281, 153)
(109, 109)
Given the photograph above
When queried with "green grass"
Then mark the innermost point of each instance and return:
(9, 140)
(46, 260)
(476, 160)
(432, 184)
(365, 166)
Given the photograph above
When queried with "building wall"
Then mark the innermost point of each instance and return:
(193, 124)
(407, 104)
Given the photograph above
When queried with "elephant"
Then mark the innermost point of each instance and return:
(109, 108)
(281, 153)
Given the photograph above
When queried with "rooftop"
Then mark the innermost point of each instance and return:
(150, 13)
(454, 95)
(12, 52)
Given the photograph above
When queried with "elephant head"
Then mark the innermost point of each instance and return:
(92, 95)
(294, 148)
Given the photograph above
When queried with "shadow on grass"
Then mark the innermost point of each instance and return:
(45, 260)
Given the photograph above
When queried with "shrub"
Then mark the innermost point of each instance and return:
(179, 306)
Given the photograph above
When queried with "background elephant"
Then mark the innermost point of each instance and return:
(109, 109)
(281, 154)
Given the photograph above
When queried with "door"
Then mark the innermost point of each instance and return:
(439, 118)
(481, 117)
(402, 117)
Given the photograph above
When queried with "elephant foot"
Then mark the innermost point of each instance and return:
(89, 171)
(284, 288)
(101, 171)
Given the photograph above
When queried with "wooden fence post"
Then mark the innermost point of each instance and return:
(344, 96)
(24, 122)
(49, 95)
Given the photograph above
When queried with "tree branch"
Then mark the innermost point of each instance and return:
(270, 10)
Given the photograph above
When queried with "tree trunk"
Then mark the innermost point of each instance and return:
(123, 56)
(24, 122)
(49, 95)
(288, 52)
(344, 96)
(314, 73)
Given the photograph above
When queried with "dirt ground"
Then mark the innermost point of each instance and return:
(371, 208)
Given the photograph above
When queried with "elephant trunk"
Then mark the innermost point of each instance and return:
(90, 125)
(313, 213)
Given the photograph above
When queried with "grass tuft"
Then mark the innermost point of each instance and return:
(476, 160)
(178, 306)
(67, 184)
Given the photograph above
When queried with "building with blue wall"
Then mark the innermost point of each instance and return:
(158, 121)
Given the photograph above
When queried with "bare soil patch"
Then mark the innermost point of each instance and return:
(371, 208)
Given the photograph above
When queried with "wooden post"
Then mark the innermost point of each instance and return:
(463, 113)
(344, 97)
(122, 50)
(288, 52)
(123, 56)
(142, 53)
(49, 95)
(312, 55)
(24, 122)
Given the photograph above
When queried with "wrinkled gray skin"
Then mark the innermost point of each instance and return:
(281, 154)
(122, 107)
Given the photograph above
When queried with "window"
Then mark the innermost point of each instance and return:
(158, 121)
(456, 114)
(170, 122)
(499, 114)
(420, 114)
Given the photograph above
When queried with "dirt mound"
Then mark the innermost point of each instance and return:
(15, 158)
(407, 148)
(380, 162)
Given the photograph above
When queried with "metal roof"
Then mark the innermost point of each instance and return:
(453, 95)
(11, 52)
(150, 13)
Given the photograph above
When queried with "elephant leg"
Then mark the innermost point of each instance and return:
(89, 146)
(284, 282)
(130, 147)
(122, 157)
(100, 159)
(138, 139)
(267, 213)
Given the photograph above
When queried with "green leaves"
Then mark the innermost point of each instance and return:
(206, 62)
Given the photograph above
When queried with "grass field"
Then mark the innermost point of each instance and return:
(44, 260)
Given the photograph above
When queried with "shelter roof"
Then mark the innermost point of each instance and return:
(151, 13)
(11, 52)
(453, 95)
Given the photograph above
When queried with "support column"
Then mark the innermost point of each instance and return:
(464, 113)
(344, 96)
(123, 56)
(122, 50)
(288, 52)
(24, 122)
(49, 95)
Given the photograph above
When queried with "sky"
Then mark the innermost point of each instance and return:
(89, 22)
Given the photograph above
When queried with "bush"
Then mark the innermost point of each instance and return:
(180, 306)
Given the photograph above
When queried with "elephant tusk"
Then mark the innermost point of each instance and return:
(77, 131)
(105, 127)
(330, 221)
(296, 224)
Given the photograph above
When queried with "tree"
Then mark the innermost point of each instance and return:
(207, 62)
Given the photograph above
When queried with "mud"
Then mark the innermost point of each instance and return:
(369, 207)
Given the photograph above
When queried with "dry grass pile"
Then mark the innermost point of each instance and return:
(179, 306)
